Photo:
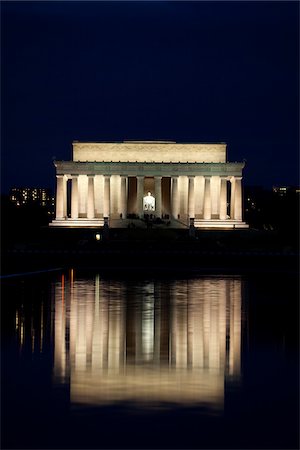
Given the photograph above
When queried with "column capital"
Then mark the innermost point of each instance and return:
(60, 176)
(158, 177)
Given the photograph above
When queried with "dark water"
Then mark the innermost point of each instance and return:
(207, 362)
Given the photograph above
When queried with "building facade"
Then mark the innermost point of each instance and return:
(187, 183)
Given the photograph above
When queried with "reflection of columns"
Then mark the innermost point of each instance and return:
(115, 336)
(222, 322)
(175, 197)
(97, 330)
(61, 196)
(140, 195)
(148, 327)
(80, 338)
(60, 330)
(214, 342)
(232, 197)
(89, 320)
(106, 200)
(207, 289)
(124, 187)
(91, 198)
(191, 197)
(223, 199)
(157, 323)
(235, 328)
(158, 196)
(74, 197)
(207, 199)
(238, 199)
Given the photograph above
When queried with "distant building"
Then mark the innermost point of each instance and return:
(32, 196)
(284, 190)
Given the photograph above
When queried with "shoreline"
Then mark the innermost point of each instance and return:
(149, 260)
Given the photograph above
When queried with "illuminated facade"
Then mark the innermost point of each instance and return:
(154, 343)
(111, 180)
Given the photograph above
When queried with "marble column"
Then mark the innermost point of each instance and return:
(123, 196)
(238, 199)
(175, 198)
(91, 198)
(207, 199)
(139, 196)
(157, 196)
(191, 198)
(106, 197)
(223, 199)
(61, 196)
(74, 197)
(232, 197)
(66, 196)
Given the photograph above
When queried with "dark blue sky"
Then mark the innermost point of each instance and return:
(190, 72)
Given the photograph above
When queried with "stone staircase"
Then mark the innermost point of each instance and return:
(140, 223)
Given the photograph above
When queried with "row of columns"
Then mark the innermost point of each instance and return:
(235, 201)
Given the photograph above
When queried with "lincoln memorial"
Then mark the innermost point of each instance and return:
(185, 183)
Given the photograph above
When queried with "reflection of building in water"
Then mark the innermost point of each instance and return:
(148, 342)
(32, 318)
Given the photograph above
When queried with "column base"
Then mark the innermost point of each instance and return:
(220, 224)
(77, 223)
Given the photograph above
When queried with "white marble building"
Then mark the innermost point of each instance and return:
(186, 181)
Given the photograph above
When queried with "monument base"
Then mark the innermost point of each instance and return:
(220, 224)
(77, 223)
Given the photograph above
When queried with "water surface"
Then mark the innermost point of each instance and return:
(205, 362)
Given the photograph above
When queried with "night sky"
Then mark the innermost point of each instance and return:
(189, 72)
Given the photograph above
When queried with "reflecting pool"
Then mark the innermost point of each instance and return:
(206, 362)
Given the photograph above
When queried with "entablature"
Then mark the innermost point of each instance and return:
(133, 169)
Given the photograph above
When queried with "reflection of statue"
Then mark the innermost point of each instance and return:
(149, 202)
